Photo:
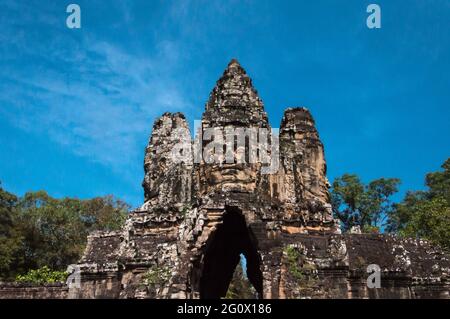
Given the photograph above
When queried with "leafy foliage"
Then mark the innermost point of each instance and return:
(297, 266)
(426, 214)
(292, 260)
(371, 229)
(421, 214)
(439, 182)
(357, 204)
(37, 230)
(157, 276)
(10, 238)
(43, 275)
(302, 271)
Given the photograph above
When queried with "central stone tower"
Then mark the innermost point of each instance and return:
(203, 212)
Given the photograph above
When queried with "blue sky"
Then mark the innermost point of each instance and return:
(77, 106)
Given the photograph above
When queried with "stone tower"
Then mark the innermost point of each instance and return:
(208, 201)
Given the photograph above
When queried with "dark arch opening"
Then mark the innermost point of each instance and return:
(230, 240)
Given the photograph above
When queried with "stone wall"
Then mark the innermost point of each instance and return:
(28, 291)
(335, 266)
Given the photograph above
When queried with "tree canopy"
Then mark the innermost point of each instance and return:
(421, 214)
(10, 238)
(357, 204)
(426, 214)
(37, 230)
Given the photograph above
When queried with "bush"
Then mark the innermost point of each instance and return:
(157, 276)
(43, 275)
(303, 273)
(371, 229)
(292, 260)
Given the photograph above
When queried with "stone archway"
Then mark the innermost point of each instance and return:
(222, 254)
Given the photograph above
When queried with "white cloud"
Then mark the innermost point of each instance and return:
(97, 100)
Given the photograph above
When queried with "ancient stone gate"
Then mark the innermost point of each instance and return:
(200, 215)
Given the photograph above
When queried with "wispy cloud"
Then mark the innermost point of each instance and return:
(98, 100)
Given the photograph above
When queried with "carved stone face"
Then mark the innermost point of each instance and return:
(233, 103)
(233, 177)
(227, 162)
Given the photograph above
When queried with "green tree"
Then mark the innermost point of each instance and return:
(10, 239)
(39, 231)
(52, 229)
(55, 230)
(357, 204)
(104, 213)
(426, 214)
(439, 182)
